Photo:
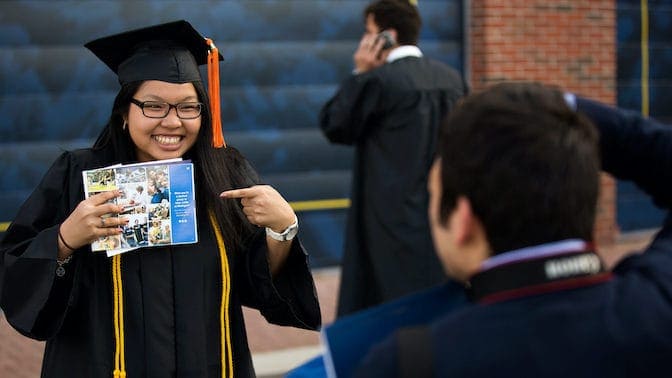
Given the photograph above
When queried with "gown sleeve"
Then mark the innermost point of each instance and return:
(345, 116)
(287, 299)
(33, 298)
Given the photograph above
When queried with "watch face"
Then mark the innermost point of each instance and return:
(291, 232)
(288, 234)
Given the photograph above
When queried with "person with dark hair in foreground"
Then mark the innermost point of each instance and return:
(513, 196)
(390, 110)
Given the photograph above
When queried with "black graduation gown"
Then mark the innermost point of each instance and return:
(172, 295)
(391, 115)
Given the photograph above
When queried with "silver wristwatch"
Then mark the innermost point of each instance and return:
(288, 234)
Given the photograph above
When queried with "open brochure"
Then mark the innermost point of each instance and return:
(158, 199)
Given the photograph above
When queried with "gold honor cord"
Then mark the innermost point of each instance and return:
(316, 205)
(119, 358)
(645, 56)
(227, 358)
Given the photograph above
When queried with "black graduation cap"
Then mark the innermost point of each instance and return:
(169, 52)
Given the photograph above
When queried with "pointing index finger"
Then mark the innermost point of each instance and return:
(237, 193)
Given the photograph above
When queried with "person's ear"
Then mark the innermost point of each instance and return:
(463, 222)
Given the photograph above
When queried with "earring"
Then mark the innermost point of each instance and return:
(123, 127)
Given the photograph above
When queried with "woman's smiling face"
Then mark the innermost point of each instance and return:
(162, 138)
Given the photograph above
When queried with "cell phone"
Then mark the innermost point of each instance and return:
(387, 37)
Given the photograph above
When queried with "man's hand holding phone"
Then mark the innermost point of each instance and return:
(368, 55)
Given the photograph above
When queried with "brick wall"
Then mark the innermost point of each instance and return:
(570, 43)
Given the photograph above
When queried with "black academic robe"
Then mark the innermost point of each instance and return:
(391, 115)
(618, 328)
(172, 295)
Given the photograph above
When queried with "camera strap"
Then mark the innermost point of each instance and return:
(533, 275)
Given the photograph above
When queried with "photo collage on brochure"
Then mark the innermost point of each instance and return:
(145, 198)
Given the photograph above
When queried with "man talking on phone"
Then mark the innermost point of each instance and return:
(389, 109)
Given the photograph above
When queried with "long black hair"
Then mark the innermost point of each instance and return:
(216, 169)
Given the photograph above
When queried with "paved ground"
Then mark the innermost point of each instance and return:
(275, 349)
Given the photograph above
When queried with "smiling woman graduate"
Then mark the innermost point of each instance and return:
(162, 311)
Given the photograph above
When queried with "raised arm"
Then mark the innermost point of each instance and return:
(634, 148)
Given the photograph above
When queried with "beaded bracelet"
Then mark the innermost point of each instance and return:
(60, 270)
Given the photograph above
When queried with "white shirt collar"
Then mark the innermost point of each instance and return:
(403, 52)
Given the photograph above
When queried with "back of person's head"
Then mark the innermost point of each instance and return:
(399, 15)
(527, 163)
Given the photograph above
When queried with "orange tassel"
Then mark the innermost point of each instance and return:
(213, 91)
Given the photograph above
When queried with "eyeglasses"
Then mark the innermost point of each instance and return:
(158, 109)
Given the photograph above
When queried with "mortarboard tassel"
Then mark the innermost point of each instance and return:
(213, 91)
